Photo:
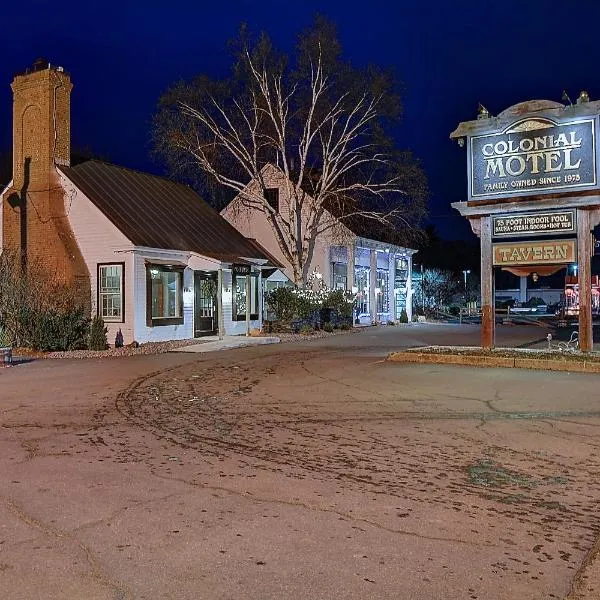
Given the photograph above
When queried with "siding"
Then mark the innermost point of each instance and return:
(253, 224)
(143, 333)
(99, 242)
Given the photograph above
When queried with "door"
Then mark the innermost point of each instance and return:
(205, 304)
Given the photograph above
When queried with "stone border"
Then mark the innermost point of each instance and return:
(422, 356)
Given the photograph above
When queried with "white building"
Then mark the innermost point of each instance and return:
(379, 272)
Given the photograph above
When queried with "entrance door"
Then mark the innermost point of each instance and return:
(205, 304)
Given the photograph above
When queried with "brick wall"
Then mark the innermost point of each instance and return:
(35, 220)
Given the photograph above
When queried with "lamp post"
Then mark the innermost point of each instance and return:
(465, 273)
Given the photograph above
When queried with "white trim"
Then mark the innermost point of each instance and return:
(7, 187)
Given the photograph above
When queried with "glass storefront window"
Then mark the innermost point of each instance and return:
(361, 281)
(400, 282)
(339, 276)
(164, 295)
(383, 301)
(239, 297)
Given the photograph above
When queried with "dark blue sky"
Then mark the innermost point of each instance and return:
(449, 54)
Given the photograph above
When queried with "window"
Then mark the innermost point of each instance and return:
(239, 297)
(361, 281)
(111, 305)
(339, 276)
(383, 301)
(272, 198)
(164, 289)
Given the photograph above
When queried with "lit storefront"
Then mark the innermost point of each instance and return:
(379, 274)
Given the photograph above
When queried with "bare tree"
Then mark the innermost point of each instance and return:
(325, 138)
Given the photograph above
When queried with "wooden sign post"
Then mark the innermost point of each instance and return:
(533, 173)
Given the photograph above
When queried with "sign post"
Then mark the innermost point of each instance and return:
(533, 172)
(488, 304)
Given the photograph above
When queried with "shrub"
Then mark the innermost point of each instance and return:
(345, 326)
(306, 330)
(342, 302)
(403, 316)
(283, 302)
(4, 338)
(328, 327)
(54, 330)
(391, 323)
(97, 339)
(37, 312)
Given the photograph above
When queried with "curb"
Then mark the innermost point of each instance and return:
(542, 364)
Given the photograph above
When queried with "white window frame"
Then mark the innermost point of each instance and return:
(105, 292)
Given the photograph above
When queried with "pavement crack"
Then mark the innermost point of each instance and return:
(96, 570)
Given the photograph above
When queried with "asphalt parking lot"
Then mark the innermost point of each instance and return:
(310, 470)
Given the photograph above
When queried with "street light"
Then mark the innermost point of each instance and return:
(465, 273)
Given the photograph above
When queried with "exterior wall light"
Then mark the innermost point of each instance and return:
(583, 97)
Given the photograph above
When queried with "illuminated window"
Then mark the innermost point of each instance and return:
(383, 299)
(361, 281)
(239, 297)
(164, 295)
(110, 292)
(339, 276)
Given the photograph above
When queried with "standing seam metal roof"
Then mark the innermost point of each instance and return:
(155, 212)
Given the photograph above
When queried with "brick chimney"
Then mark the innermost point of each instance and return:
(35, 221)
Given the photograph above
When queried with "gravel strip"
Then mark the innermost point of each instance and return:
(148, 348)
(307, 337)
(162, 347)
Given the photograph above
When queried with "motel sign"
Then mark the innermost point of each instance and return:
(533, 173)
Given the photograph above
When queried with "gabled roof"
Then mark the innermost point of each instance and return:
(155, 212)
(366, 228)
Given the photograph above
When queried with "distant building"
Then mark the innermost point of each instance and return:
(378, 271)
(145, 253)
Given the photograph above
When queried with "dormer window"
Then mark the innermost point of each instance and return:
(272, 198)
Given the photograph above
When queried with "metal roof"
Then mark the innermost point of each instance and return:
(155, 212)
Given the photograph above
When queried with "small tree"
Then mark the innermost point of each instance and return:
(98, 331)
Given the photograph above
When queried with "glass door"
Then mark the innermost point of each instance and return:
(205, 304)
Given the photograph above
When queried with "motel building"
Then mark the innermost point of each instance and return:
(378, 271)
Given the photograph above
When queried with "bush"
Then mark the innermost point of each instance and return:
(53, 330)
(37, 312)
(403, 316)
(97, 339)
(4, 338)
(284, 303)
(328, 327)
(340, 301)
(345, 326)
(306, 330)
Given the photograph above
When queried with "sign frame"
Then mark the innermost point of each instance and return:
(515, 193)
(570, 255)
(572, 230)
(241, 270)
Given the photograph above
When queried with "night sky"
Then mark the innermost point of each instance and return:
(449, 54)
